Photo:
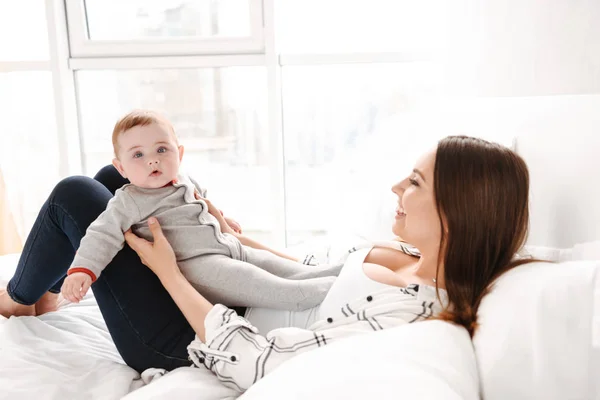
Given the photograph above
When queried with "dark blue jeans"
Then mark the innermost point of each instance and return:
(147, 327)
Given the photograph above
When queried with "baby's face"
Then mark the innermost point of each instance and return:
(148, 156)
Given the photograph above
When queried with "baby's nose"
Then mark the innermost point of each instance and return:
(153, 162)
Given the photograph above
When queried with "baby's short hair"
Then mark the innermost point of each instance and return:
(139, 118)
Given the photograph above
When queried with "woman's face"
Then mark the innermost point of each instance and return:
(417, 220)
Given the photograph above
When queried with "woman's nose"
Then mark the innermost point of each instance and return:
(398, 188)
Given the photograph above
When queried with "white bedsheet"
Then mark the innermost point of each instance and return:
(62, 355)
(69, 354)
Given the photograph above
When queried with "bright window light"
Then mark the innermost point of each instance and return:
(133, 20)
(23, 30)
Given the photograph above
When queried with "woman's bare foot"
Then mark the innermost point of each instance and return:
(47, 303)
(8, 307)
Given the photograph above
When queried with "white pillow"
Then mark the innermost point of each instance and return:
(586, 251)
(184, 383)
(535, 335)
(424, 360)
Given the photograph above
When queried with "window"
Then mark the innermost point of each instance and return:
(29, 155)
(135, 20)
(219, 115)
(164, 27)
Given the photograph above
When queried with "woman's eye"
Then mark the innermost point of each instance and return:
(413, 182)
(137, 155)
(162, 149)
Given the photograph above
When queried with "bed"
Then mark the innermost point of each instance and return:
(550, 349)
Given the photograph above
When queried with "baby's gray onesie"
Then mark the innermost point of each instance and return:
(216, 264)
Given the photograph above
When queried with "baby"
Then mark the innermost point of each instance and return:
(221, 268)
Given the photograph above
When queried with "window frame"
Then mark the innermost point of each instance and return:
(82, 46)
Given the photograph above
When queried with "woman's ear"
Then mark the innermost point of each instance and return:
(119, 167)
(180, 152)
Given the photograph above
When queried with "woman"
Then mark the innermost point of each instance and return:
(464, 206)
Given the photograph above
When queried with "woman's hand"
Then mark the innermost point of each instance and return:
(158, 255)
(160, 258)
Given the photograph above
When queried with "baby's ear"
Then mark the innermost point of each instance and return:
(119, 167)
(181, 151)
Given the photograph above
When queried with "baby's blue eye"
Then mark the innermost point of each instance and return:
(162, 149)
(137, 155)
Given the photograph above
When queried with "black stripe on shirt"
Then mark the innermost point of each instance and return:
(256, 370)
(278, 349)
(430, 309)
(421, 314)
(349, 309)
(267, 354)
(232, 331)
(250, 339)
(317, 339)
(296, 346)
(377, 322)
(362, 316)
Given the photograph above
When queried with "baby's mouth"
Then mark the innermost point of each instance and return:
(154, 174)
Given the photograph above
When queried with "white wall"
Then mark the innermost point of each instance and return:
(544, 58)
(523, 47)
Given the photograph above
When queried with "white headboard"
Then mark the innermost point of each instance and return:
(560, 141)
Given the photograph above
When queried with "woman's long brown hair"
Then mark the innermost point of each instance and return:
(482, 196)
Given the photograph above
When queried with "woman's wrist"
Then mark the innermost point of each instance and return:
(168, 275)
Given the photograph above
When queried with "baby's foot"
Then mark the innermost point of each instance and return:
(8, 307)
(47, 303)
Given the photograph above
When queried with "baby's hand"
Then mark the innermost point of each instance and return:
(75, 286)
(233, 224)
